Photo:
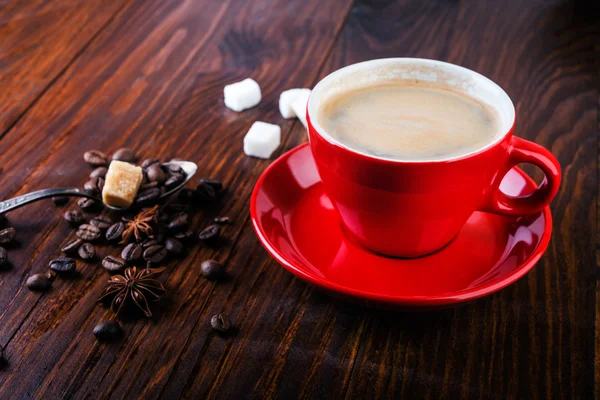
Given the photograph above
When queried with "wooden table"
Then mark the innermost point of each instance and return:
(103, 74)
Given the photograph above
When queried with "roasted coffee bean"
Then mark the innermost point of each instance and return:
(88, 232)
(86, 251)
(124, 154)
(148, 162)
(174, 246)
(63, 265)
(148, 185)
(155, 254)
(215, 184)
(220, 322)
(222, 220)
(210, 234)
(99, 172)
(72, 246)
(178, 221)
(131, 252)
(163, 218)
(87, 204)
(7, 235)
(205, 193)
(50, 275)
(94, 186)
(149, 242)
(95, 158)
(115, 232)
(108, 331)
(175, 169)
(159, 236)
(174, 180)
(73, 217)
(184, 236)
(60, 200)
(156, 174)
(113, 264)
(188, 196)
(37, 282)
(148, 195)
(101, 223)
(212, 270)
(3, 256)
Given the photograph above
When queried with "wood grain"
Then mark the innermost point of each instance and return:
(38, 40)
(151, 78)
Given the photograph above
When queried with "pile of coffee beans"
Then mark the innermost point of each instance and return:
(170, 236)
(7, 238)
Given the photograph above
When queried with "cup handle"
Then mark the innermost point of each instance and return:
(524, 151)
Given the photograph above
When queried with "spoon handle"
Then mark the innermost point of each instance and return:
(27, 198)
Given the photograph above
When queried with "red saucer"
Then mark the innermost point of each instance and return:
(297, 224)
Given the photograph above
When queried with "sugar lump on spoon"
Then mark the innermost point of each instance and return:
(122, 183)
(242, 95)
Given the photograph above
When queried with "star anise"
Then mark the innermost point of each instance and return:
(133, 289)
(140, 226)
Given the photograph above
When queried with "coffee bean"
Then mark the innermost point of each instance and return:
(86, 251)
(178, 221)
(95, 158)
(148, 162)
(113, 264)
(50, 275)
(88, 232)
(155, 254)
(101, 223)
(3, 256)
(212, 270)
(215, 184)
(73, 217)
(63, 265)
(222, 220)
(188, 196)
(156, 174)
(174, 180)
(184, 236)
(7, 235)
(149, 242)
(220, 322)
(148, 185)
(115, 232)
(132, 252)
(87, 204)
(124, 154)
(60, 200)
(210, 234)
(108, 331)
(148, 195)
(175, 169)
(94, 186)
(205, 193)
(163, 218)
(99, 172)
(174, 246)
(37, 282)
(72, 246)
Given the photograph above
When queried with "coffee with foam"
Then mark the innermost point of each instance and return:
(409, 121)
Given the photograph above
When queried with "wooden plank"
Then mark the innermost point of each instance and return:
(535, 338)
(39, 40)
(162, 91)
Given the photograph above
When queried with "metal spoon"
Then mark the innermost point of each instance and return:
(188, 167)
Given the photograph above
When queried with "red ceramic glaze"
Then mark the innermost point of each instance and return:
(413, 208)
(297, 224)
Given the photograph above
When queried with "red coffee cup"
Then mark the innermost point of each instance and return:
(412, 208)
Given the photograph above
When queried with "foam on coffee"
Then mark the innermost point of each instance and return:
(410, 122)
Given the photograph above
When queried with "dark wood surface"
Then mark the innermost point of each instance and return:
(103, 74)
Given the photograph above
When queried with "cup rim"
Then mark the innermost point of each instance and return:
(313, 102)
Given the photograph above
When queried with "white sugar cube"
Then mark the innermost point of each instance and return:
(242, 95)
(262, 139)
(299, 106)
(287, 97)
